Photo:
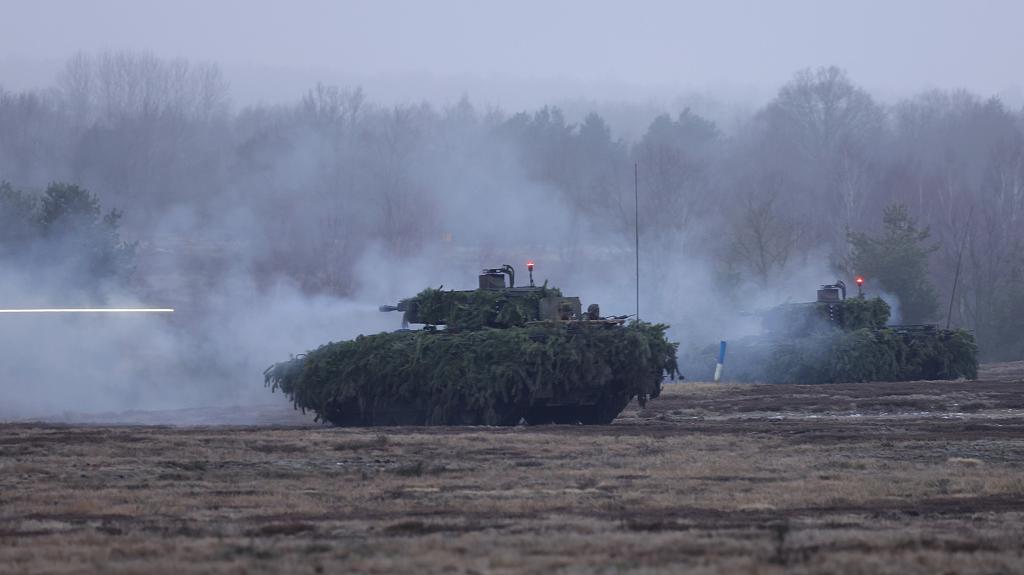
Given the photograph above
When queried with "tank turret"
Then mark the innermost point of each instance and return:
(831, 310)
(494, 304)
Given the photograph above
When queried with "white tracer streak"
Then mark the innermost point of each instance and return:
(89, 310)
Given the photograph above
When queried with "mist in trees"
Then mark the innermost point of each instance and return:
(64, 235)
(300, 192)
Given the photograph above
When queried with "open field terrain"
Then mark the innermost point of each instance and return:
(924, 477)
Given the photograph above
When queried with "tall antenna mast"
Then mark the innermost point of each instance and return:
(636, 232)
(959, 260)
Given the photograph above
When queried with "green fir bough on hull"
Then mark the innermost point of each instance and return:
(874, 355)
(483, 377)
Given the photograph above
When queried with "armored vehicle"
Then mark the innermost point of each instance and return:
(841, 339)
(500, 354)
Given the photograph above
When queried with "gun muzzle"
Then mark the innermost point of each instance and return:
(388, 308)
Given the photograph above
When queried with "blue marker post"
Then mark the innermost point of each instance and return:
(721, 361)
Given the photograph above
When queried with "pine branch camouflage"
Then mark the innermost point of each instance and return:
(562, 372)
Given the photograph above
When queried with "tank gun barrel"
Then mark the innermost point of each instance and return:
(402, 306)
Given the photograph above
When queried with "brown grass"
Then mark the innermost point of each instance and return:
(709, 478)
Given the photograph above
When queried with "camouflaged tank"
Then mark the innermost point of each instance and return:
(496, 355)
(839, 339)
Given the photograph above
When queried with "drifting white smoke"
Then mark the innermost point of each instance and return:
(234, 318)
(213, 350)
(87, 363)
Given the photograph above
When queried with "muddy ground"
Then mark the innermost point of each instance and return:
(923, 477)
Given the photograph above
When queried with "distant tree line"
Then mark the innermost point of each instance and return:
(823, 168)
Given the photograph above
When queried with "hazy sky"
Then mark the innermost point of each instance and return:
(414, 49)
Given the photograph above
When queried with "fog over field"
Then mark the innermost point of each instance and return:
(280, 170)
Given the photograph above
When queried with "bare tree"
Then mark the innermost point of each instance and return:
(76, 84)
(764, 234)
(825, 129)
(403, 201)
(676, 156)
(112, 86)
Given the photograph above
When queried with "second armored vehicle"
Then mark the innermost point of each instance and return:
(840, 339)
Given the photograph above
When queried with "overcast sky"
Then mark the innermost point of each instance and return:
(499, 51)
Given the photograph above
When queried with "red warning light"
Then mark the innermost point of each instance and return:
(859, 280)
(529, 265)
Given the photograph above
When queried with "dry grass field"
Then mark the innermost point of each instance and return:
(924, 477)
